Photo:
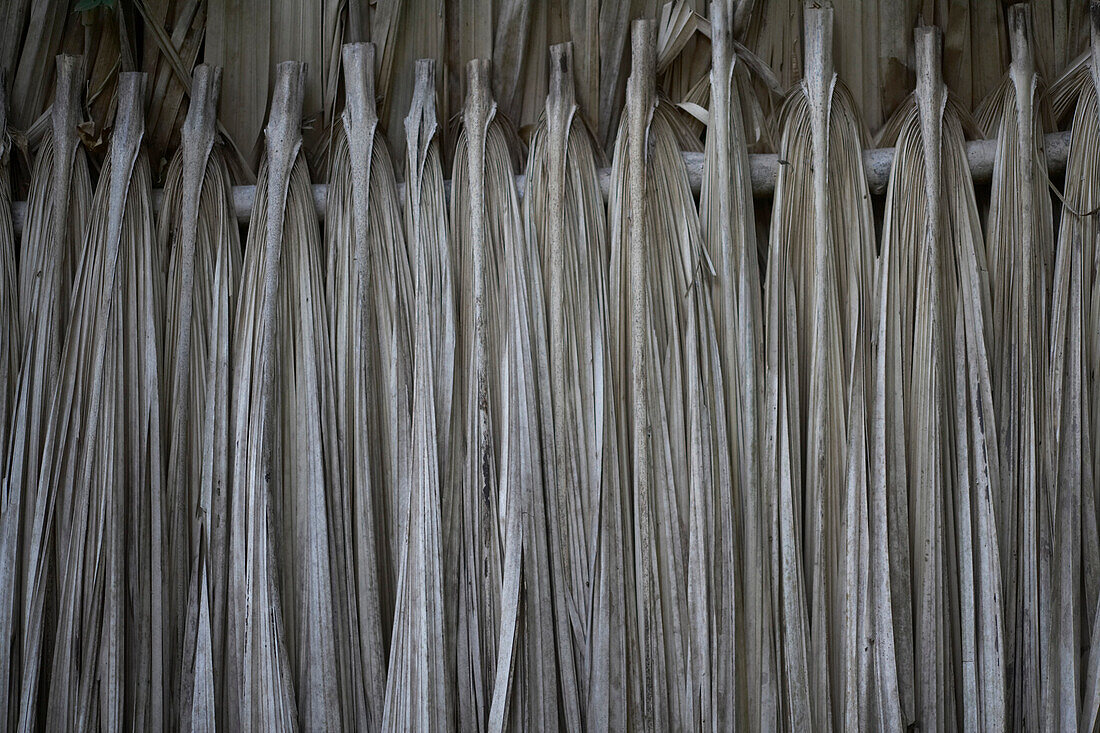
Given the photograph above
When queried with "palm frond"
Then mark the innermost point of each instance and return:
(60, 197)
(530, 675)
(1020, 248)
(1073, 401)
(934, 398)
(672, 412)
(58, 205)
(198, 235)
(742, 575)
(480, 243)
(287, 637)
(564, 218)
(369, 290)
(420, 682)
(812, 348)
(11, 503)
(102, 465)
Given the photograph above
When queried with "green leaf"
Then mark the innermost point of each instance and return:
(83, 5)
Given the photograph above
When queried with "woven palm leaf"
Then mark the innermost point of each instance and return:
(199, 236)
(420, 682)
(102, 466)
(1020, 250)
(368, 289)
(287, 643)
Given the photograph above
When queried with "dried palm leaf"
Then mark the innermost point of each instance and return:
(372, 288)
(406, 30)
(614, 30)
(565, 223)
(530, 678)
(369, 294)
(510, 53)
(782, 467)
(678, 455)
(975, 48)
(420, 682)
(819, 272)
(1090, 703)
(243, 37)
(684, 56)
(11, 37)
(198, 703)
(872, 60)
(30, 86)
(870, 698)
(11, 502)
(60, 201)
(183, 23)
(934, 400)
(1020, 248)
(341, 21)
(745, 622)
(1063, 92)
(238, 38)
(102, 467)
(198, 235)
(1073, 401)
(287, 642)
(581, 24)
(1061, 32)
(10, 342)
(296, 34)
(482, 183)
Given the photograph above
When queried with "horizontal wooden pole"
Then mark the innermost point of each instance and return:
(763, 169)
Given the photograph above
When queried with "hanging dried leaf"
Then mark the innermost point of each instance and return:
(482, 183)
(102, 468)
(1073, 401)
(934, 400)
(11, 502)
(184, 22)
(369, 293)
(406, 30)
(1020, 248)
(198, 234)
(672, 415)
(60, 202)
(10, 312)
(564, 217)
(287, 641)
(742, 576)
(820, 268)
(420, 683)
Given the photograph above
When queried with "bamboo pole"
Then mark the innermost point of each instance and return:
(763, 169)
